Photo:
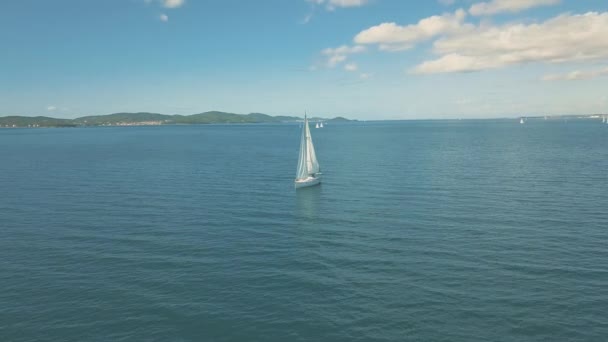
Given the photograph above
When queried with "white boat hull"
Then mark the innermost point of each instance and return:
(310, 181)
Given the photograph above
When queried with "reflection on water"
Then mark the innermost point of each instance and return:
(307, 201)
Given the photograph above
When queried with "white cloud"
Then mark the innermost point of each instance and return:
(499, 6)
(336, 56)
(393, 37)
(351, 67)
(164, 18)
(577, 75)
(561, 39)
(173, 3)
(365, 75)
(51, 108)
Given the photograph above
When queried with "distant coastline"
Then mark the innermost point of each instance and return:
(151, 119)
(213, 117)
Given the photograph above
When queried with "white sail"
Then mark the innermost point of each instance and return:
(312, 163)
(302, 171)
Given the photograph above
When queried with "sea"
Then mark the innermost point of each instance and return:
(453, 230)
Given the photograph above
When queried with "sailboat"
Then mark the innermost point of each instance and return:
(317, 126)
(522, 121)
(321, 125)
(309, 171)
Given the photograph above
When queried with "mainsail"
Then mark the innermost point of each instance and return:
(307, 162)
(302, 171)
(312, 163)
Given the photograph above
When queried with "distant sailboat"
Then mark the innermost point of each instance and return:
(321, 125)
(522, 121)
(317, 126)
(309, 171)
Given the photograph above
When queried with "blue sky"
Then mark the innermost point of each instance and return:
(365, 59)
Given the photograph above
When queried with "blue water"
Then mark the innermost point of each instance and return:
(426, 231)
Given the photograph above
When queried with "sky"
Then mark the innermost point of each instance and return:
(362, 59)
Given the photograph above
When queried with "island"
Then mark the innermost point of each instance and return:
(153, 119)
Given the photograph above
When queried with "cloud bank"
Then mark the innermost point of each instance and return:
(565, 38)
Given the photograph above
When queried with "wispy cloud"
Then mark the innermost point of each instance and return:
(333, 4)
(577, 75)
(446, 2)
(499, 6)
(337, 56)
(51, 108)
(351, 67)
(164, 18)
(308, 18)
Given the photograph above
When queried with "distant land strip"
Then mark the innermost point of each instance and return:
(152, 119)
